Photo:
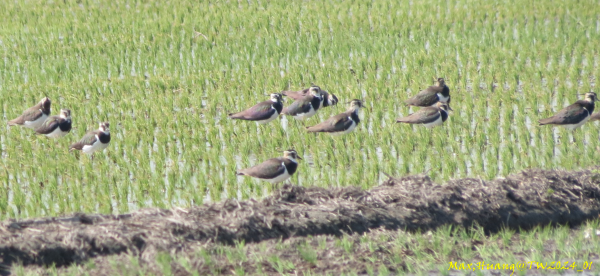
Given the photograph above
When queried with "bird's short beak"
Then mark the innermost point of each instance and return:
(299, 157)
(450, 108)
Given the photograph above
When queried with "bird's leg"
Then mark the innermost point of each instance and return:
(556, 136)
(276, 187)
(581, 136)
(430, 136)
(258, 129)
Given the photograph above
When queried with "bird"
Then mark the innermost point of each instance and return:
(431, 95)
(34, 116)
(95, 140)
(329, 99)
(342, 123)
(575, 115)
(262, 112)
(274, 170)
(595, 117)
(56, 126)
(306, 106)
(429, 116)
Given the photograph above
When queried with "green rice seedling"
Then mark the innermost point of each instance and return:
(308, 254)
(164, 261)
(281, 266)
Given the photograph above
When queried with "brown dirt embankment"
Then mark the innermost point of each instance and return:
(521, 201)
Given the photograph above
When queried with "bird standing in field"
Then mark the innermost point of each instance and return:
(95, 140)
(430, 96)
(430, 116)
(274, 170)
(575, 115)
(306, 106)
(262, 112)
(56, 126)
(34, 116)
(328, 99)
(342, 123)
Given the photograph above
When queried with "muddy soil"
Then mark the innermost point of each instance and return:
(521, 201)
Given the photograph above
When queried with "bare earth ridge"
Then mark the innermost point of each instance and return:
(521, 201)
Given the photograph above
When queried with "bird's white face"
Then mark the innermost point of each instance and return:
(355, 104)
(275, 97)
(443, 106)
(591, 97)
(315, 91)
(65, 113)
(104, 127)
(292, 155)
(332, 99)
(441, 81)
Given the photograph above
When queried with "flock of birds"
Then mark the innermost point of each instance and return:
(38, 118)
(435, 103)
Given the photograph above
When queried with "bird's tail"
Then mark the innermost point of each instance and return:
(234, 116)
(545, 121)
(311, 129)
(408, 102)
(74, 146)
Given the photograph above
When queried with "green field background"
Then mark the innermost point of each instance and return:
(165, 74)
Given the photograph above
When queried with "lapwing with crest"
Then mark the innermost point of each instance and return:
(575, 115)
(274, 170)
(56, 126)
(328, 99)
(93, 141)
(430, 96)
(307, 106)
(430, 116)
(342, 123)
(34, 116)
(263, 112)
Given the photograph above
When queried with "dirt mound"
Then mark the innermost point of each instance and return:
(520, 201)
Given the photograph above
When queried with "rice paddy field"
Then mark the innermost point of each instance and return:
(165, 74)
